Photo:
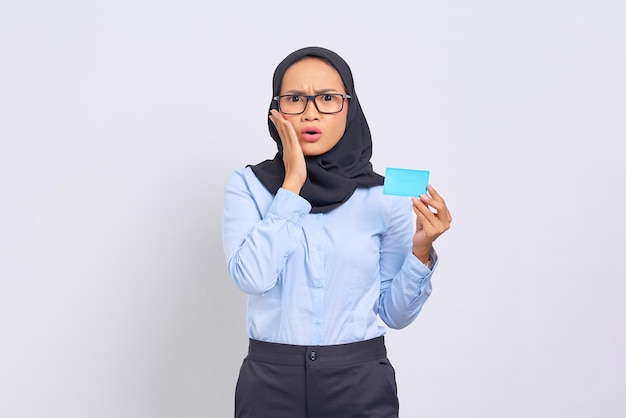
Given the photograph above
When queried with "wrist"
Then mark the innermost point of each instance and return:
(423, 255)
(294, 188)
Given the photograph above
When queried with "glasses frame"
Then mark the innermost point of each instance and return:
(312, 98)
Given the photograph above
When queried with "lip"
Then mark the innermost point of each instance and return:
(311, 134)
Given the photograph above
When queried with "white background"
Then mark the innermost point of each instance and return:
(121, 120)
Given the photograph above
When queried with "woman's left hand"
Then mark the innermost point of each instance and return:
(430, 224)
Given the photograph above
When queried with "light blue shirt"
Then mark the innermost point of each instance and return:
(321, 279)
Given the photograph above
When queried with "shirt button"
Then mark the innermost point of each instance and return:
(312, 356)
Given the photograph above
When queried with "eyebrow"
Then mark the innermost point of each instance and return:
(303, 93)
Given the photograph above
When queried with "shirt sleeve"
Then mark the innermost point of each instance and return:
(405, 280)
(258, 241)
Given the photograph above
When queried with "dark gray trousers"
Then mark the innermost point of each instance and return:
(339, 381)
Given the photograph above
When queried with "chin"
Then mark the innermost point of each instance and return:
(310, 150)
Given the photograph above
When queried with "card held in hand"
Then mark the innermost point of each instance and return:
(405, 182)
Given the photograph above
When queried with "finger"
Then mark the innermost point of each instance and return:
(433, 196)
(429, 201)
(414, 203)
(276, 114)
(279, 122)
(285, 130)
(437, 202)
(434, 192)
(432, 223)
(427, 216)
(424, 225)
(274, 117)
(278, 119)
(440, 209)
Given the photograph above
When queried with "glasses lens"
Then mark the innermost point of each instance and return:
(329, 103)
(292, 104)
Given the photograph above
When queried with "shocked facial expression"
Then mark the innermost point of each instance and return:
(317, 132)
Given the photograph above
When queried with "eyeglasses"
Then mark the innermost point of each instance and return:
(295, 104)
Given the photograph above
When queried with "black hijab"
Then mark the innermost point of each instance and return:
(333, 176)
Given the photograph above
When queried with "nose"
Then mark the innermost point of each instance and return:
(310, 111)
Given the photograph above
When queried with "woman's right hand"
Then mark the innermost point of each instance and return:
(293, 157)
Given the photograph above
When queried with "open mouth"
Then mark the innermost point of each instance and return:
(311, 134)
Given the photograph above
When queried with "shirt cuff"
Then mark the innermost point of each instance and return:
(418, 268)
(289, 206)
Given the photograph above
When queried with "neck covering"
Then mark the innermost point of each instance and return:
(332, 177)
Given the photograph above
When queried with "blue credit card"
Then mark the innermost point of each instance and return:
(405, 182)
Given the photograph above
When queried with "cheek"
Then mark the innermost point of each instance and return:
(338, 133)
(339, 129)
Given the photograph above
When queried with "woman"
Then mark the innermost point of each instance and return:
(322, 253)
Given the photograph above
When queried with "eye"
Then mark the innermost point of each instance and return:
(295, 99)
(328, 97)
